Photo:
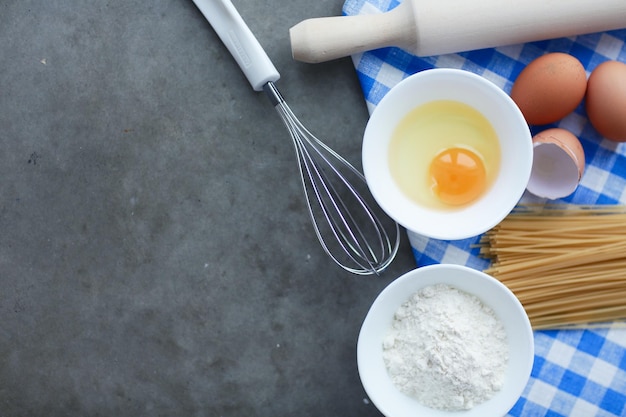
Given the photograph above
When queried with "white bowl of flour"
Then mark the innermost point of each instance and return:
(445, 340)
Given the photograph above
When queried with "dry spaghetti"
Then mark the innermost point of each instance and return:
(566, 264)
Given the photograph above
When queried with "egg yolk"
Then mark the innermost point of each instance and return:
(458, 176)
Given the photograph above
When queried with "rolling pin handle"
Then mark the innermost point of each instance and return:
(327, 38)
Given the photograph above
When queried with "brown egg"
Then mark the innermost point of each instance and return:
(550, 88)
(558, 164)
(606, 100)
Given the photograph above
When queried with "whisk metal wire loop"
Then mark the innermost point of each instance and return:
(365, 244)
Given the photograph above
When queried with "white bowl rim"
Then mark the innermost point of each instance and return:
(388, 399)
(502, 197)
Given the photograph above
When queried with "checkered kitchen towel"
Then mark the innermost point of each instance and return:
(576, 372)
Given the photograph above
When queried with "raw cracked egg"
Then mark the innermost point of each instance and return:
(558, 164)
(444, 154)
(447, 154)
(549, 88)
(606, 100)
(457, 176)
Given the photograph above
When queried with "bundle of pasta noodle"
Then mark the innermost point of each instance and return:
(566, 264)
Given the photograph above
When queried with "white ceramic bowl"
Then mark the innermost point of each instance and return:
(496, 106)
(373, 372)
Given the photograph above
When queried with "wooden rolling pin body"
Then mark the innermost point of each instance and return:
(435, 27)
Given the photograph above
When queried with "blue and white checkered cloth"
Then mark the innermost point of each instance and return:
(576, 372)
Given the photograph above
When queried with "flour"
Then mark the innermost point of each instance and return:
(446, 349)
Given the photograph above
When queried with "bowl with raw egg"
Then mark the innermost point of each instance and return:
(447, 153)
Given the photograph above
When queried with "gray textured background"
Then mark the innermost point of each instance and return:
(156, 258)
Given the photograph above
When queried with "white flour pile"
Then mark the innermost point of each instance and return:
(446, 349)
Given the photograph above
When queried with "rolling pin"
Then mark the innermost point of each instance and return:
(435, 27)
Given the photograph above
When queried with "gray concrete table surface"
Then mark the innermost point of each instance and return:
(156, 257)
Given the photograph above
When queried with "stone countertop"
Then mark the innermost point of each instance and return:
(156, 256)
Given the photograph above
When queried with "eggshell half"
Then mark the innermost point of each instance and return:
(558, 164)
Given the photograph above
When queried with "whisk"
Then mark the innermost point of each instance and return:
(350, 226)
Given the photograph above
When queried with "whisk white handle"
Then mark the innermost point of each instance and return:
(240, 41)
